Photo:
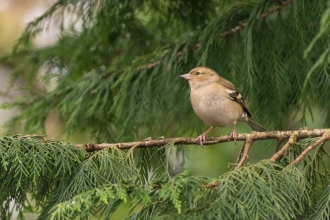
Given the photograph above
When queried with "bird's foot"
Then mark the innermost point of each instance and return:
(201, 138)
(234, 135)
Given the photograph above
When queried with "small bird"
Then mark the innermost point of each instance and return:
(216, 101)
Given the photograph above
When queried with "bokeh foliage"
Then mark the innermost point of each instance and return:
(114, 73)
(116, 64)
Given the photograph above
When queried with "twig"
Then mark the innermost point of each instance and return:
(276, 9)
(208, 185)
(178, 55)
(302, 134)
(149, 66)
(42, 137)
(211, 185)
(224, 34)
(247, 145)
(262, 16)
(292, 140)
(325, 137)
(278, 144)
(238, 158)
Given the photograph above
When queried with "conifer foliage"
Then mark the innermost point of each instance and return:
(116, 66)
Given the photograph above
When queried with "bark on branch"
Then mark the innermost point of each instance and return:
(278, 135)
(246, 147)
(325, 137)
(262, 16)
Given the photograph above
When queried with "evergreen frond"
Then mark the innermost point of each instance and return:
(266, 56)
(30, 165)
(106, 198)
(322, 209)
(261, 191)
(114, 73)
(55, 173)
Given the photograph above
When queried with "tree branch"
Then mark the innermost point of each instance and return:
(249, 139)
(298, 134)
(278, 144)
(325, 137)
(224, 34)
(292, 140)
(262, 16)
(247, 145)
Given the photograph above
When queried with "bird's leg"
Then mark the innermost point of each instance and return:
(202, 137)
(234, 134)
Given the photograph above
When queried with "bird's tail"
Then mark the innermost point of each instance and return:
(255, 125)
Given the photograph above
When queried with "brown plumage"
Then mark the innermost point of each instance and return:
(216, 101)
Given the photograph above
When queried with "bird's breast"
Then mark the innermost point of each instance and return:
(214, 106)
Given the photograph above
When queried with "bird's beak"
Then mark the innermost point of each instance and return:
(186, 76)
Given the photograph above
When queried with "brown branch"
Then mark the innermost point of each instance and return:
(294, 136)
(247, 145)
(240, 155)
(178, 55)
(207, 185)
(249, 139)
(42, 137)
(276, 9)
(224, 34)
(302, 134)
(326, 136)
(278, 144)
(149, 65)
(262, 16)
(292, 140)
(211, 185)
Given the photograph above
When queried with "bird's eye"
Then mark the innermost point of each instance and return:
(197, 73)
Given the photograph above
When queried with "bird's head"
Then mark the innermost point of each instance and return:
(200, 76)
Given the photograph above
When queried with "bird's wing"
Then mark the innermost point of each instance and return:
(235, 95)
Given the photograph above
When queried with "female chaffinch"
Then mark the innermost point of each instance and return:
(216, 101)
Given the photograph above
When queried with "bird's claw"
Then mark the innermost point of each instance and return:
(234, 135)
(201, 138)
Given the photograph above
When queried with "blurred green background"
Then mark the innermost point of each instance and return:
(209, 161)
